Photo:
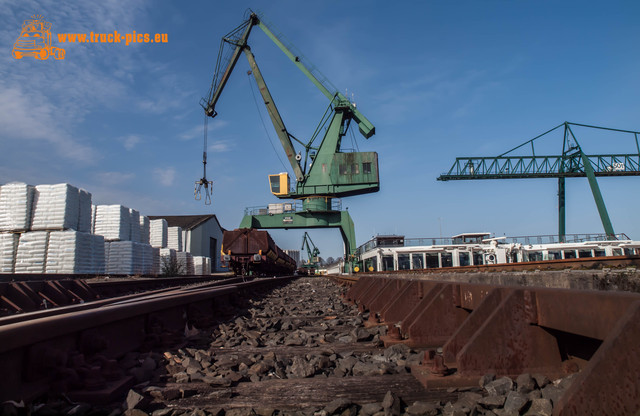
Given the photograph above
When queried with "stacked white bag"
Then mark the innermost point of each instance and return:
(32, 252)
(144, 229)
(98, 254)
(125, 257)
(147, 258)
(186, 260)
(8, 248)
(135, 226)
(85, 212)
(201, 265)
(16, 201)
(113, 222)
(56, 207)
(174, 239)
(70, 252)
(158, 233)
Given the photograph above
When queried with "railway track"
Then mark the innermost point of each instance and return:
(273, 346)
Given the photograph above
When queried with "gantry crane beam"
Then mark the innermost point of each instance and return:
(571, 163)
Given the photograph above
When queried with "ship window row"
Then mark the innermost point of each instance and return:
(417, 261)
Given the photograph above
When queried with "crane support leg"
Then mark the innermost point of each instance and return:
(561, 210)
(303, 219)
(597, 196)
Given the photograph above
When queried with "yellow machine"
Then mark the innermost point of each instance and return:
(279, 184)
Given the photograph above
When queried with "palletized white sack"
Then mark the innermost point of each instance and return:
(99, 254)
(135, 225)
(16, 202)
(8, 248)
(85, 212)
(158, 233)
(201, 266)
(93, 218)
(113, 222)
(32, 252)
(56, 207)
(186, 260)
(144, 229)
(174, 238)
(125, 257)
(69, 252)
(147, 258)
(208, 271)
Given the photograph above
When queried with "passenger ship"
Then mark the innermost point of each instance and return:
(394, 252)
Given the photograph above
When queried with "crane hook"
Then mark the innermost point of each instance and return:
(208, 185)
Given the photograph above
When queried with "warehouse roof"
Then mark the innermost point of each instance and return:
(186, 222)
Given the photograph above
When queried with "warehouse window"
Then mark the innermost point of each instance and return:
(366, 168)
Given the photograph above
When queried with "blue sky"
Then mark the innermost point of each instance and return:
(438, 80)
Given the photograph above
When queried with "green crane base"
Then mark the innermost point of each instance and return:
(310, 219)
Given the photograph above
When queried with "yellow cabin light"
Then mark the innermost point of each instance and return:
(279, 184)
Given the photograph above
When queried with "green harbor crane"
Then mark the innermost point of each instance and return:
(325, 171)
(571, 163)
(311, 265)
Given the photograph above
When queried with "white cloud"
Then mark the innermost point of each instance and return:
(29, 116)
(197, 132)
(166, 176)
(130, 141)
(221, 146)
(114, 178)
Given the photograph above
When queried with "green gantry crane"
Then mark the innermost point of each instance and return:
(571, 163)
(325, 171)
(312, 254)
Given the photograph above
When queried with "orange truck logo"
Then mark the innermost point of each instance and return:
(35, 40)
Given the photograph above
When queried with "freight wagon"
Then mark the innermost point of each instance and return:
(251, 252)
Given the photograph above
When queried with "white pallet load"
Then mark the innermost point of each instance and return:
(56, 207)
(16, 203)
(93, 218)
(144, 229)
(174, 239)
(135, 225)
(147, 258)
(113, 222)
(158, 230)
(186, 260)
(8, 248)
(125, 257)
(199, 265)
(208, 269)
(69, 252)
(156, 267)
(31, 256)
(98, 253)
(85, 212)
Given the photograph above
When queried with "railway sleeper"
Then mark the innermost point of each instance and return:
(472, 330)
